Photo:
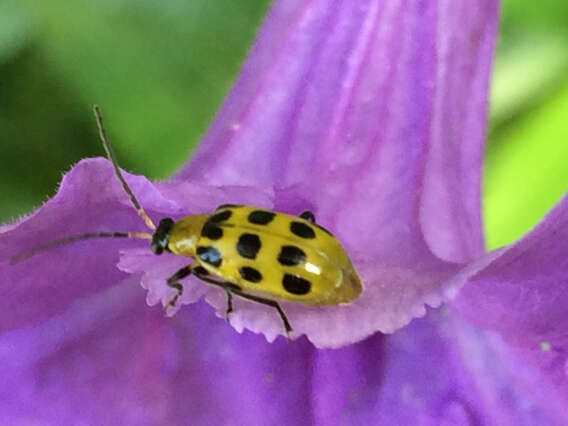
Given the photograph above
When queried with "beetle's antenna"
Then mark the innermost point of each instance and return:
(101, 234)
(72, 238)
(112, 159)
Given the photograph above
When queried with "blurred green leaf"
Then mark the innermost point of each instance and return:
(525, 76)
(522, 16)
(14, 29)
(526, 170)
(43, 132)
(159, 71)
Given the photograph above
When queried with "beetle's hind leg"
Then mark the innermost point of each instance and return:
(271, 303)
(231, 289)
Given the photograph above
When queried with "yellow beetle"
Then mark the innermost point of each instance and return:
(254, 253)
(261, 255)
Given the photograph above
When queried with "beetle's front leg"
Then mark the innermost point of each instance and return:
(173, 282)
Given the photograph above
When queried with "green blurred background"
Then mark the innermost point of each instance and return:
(160, 70)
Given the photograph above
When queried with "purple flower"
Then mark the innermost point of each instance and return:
(371, 114)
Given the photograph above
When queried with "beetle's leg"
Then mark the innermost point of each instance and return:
(202, 273)
(173, 282)
(234, 289)
(308, 215)
(229, 303)
(268, 302)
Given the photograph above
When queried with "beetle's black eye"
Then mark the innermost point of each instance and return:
(161, 236)
(157, 247)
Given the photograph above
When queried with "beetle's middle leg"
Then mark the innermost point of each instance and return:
(203, 275)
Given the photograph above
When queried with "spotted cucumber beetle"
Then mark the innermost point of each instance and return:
(254, 253)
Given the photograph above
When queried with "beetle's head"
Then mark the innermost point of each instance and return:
(161, 237)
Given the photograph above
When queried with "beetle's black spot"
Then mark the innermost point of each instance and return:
(261, 217)
(250, 274)
(227, 206)
(302, 230)
(248, 245)
(211, 231)
(220, 217)
(291, 255)
(296, 285)
(209, 255)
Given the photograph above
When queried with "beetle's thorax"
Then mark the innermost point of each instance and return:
(184, 234)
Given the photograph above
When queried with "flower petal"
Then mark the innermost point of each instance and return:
(450, 212)
(523, 295)
(436, 371)
(95, 362)
(393, 295)
(362, 169)
(382, 101)
(108, 359)
(89, 199)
